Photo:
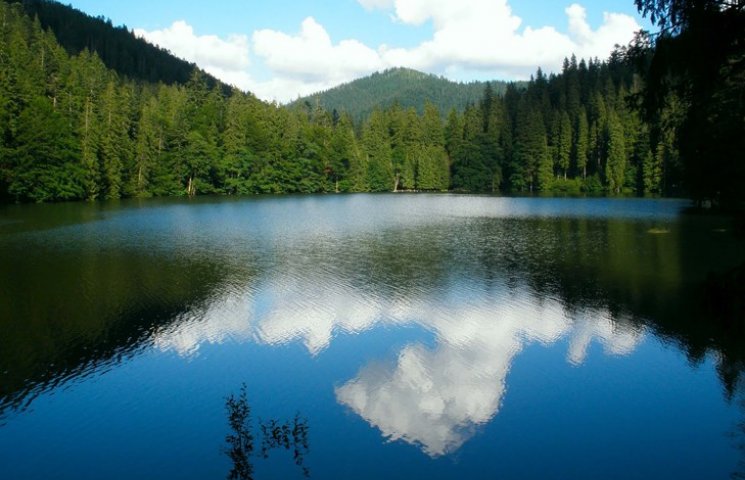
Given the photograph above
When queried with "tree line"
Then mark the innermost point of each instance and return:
(117, 47)
(403, 86)
(70, 128)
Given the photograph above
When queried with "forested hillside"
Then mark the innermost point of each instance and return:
(118, 48)
(70, 128)
(402, 86)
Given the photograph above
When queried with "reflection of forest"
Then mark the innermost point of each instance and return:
(64, 313)
(99, 305)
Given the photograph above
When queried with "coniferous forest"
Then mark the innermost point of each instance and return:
(407, 87)
(76, 126)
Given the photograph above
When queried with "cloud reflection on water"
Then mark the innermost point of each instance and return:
(435, 398)
(432, 397)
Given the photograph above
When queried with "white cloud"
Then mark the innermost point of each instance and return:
(311, 56)
(376, 4)
(485, 35)
(472, 37)
(469, 36)
(227, 59)
(285, 89)
(435, 398)
(616, 29)
(431, 398)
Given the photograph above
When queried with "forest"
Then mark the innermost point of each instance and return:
(76, 127)
(403, 86)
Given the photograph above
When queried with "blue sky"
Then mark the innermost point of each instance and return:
(284, 48)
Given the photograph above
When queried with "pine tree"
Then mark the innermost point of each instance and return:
(44, 156)
(470, 171)
(652, 168)
(616, 154)
(412, 141)
(346, 171)
(237, 161)
(433, 167)
(565, 144)
(581, 144)
(397, 120)
(379, 155)
(115, 146)
(530, 150)
(148, 147)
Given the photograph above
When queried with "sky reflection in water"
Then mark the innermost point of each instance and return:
(431, 397)
(479, 281)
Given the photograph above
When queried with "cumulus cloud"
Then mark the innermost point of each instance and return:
(468, 36)
(283, 89)
(227, 59)
(312, 58)
(485, 35)
(482, 37)
(300, 64)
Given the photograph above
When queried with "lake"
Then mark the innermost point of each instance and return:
(374, 336)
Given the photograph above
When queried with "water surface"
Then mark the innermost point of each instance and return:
(415, 336)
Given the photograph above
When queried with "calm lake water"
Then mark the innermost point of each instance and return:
(394, 336)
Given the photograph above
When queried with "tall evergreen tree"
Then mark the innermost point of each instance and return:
(581, 144)
(379, 155)
(564, 144)
(616, 153)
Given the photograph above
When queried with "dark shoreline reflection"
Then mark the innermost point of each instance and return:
(67, 314)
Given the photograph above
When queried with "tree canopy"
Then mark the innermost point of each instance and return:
(694, 74)
(71, 127)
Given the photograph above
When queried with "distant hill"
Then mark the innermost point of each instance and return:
(409, 88)
(118, 48)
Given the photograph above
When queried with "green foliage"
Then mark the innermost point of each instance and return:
(399, 86)
(564, 144)
(119, 48)
(592, 184)
(43, 157)
(616, 155)
(531, 158)
(694, 75)
(345, 168)
(376, 144)
(569, 187)
(581, 144)
(469, 164)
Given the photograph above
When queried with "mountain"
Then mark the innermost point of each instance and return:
(409, 88)
(118, 47)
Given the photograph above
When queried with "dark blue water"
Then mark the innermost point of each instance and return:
(415, 336)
